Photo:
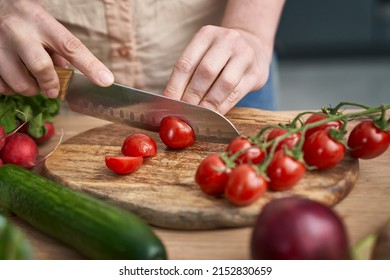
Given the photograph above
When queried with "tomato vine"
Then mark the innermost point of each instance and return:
(280, 154)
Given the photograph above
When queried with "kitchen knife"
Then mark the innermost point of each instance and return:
(140, 109)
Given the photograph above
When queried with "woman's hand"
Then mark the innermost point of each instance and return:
(31, 43)
(218, 68)
(222, 64)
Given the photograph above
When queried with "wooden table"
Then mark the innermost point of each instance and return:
(364, 210)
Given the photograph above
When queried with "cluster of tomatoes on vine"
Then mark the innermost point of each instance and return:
(278, 156)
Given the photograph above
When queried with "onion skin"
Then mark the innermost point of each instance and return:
(295, 228)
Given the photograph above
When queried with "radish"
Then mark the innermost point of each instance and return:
(2, 137)
(1, 162)
(20, 149)
(49, 132)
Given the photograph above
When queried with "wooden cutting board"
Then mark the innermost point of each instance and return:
(163, 192)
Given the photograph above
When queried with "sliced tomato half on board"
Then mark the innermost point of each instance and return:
(123, 164)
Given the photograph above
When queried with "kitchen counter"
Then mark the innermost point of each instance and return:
(364, 210)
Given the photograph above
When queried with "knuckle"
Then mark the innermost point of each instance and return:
(207, 29)
(20, 87)
(171, 90)
(211, 103)
(184, 64)
(24, 89)
(41, 66)
(4, 89)
(194, 94)
(71, 45)
(206, 70)
(232, 34)
(228, 84)
(233, 96)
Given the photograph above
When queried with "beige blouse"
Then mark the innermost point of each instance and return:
(139, 40)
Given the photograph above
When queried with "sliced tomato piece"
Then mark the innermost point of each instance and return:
(123, 164)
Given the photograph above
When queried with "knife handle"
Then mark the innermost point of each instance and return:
(64, 75)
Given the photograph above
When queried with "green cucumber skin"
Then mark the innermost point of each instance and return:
(94, 228)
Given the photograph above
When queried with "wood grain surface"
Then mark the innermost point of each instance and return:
(163, 191)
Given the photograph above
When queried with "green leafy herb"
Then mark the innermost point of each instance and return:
(37, 109)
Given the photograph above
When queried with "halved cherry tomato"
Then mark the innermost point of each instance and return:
(253, 154)
(322, 151)
(212, 175)
(123, 164)
(284, 171)
(176, 133)
(289, 142)
(319, 117)
(367, 141)
(139, 145)
(245, 185)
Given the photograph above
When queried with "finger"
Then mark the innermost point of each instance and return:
(4, 88)
(60, 61)
(15, 75)
(205, 74)
(72, 49)
(243, 87)
(224, 87)
(39, 63)
(185, 67)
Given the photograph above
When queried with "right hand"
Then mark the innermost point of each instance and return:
(31, 43)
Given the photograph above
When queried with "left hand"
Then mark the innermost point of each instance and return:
(218, 68)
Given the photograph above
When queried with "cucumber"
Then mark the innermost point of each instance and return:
(13, 243)
(94, 228)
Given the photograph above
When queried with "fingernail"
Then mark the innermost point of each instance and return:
(106, 78)
(52, 93)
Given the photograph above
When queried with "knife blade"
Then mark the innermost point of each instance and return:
(140, 109)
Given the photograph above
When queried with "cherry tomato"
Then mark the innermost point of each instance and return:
(139, 145)
(253, 153)
(245, 185)
(319, 117)
(289, 142)
(322, 151)
(176, 133)
(367, 141)
(123, 164)
(284, 171)
(212, 175)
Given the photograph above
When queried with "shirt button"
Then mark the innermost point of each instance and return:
(124, 51)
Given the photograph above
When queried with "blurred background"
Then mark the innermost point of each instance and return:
(332, 51)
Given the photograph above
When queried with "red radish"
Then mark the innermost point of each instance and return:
(1, 162)
(123, 164)
(50, 130)
(2, 137)
(20, 149)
